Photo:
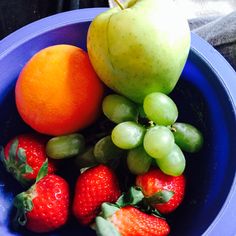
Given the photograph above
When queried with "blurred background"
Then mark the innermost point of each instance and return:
(213, 20)
(202, 8)
(17, 13)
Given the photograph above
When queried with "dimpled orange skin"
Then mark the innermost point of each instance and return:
(58, 92)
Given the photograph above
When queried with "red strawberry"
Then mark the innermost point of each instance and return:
(155, 185)
(130, 221)
(45, 206)
(24, 155)
(93, 187)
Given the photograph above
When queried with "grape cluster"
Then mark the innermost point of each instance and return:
(159, 140)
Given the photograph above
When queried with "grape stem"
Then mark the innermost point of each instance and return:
(120, 4)
(151, 123)
(173, 129)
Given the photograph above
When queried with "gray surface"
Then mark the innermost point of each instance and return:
(220, 32)
(200, 8)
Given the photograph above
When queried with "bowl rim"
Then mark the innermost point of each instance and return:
(227, 76)
(215, 61)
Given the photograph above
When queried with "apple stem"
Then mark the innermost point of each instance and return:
(120, 4)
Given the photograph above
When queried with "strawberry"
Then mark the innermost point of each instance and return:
(129, 221)
(162, 191)
(44, 207)
(24, 155)
(93, 187)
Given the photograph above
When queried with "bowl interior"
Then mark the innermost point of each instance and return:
(203, 101)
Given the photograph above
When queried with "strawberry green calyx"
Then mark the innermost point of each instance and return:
(161, 196)
(105, 228)
(108, 209)
(24, 201)
(148, 203)
(16, 163)
(133, 197)
(106, 223)
(43, 171)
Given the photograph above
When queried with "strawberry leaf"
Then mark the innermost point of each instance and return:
(105, 228)
(149, 209)
(23, 203)
(21, 218)
(162, 196)
(21, 156)
(145, 206)
(108, 209)
(2, 155)
(156, 213)
(12, 150)
(132, 197)
(17, 167)
(82, 170)
(26, 169)
(43, 171)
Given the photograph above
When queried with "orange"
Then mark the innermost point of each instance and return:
(58, 92)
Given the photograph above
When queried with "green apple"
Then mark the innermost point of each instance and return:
(140, 47)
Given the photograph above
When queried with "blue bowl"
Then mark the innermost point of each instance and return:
(205, 95)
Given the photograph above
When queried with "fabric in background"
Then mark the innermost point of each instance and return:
(213, 20)
(221, 33)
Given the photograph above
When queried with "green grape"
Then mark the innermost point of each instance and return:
(65, 146)
(187, 137)
(158, 141)
(160, 108)
(174, 163)
(138, 161)
(119, 109)
(105, 150)
(86, 159)
(128, 135)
